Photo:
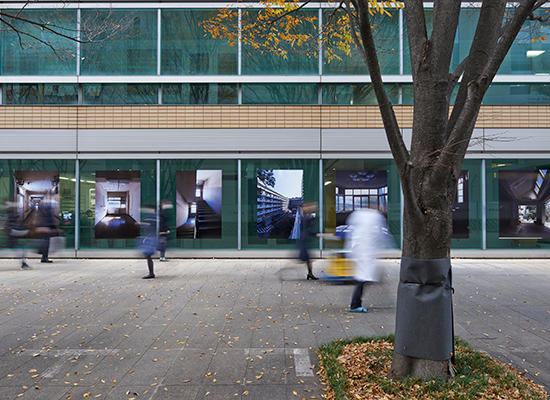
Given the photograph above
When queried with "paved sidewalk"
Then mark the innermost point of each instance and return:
(230, 329)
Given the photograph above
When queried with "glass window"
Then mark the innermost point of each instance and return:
(203, 194)
(119, 93)
(348, 175)
(105, 224)
(199, 93)
(356, 94)
(120, 42)
(29, 182)
(187, 50)
(467, 207)
(465, 32)
(269, 225)
(39, 93)
(275, 93)
(523, 93)
(386, 37)
(517, 218)
(296, 61)
(51, 55)
(529, 54)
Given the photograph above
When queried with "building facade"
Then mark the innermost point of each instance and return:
(105, 124)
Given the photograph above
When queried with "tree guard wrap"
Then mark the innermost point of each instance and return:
(424, 320)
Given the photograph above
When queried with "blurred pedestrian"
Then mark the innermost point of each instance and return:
(46, 226)
(306, 232)
(16, 231)
(364, 241)
(164, 229)
(148, 243)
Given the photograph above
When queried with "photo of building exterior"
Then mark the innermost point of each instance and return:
(161, 94)
(280, 197)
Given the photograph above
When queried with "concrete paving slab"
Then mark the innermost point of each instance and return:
(215, 316)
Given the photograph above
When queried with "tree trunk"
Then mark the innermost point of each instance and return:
(424, 331)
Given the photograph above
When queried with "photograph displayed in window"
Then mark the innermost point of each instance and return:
(117, 204)
(359, 189)
(461, 214)
(199, 204)
(280, 196)
(524, 204)
(36, 198)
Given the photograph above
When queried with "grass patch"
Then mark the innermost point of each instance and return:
(358, 369)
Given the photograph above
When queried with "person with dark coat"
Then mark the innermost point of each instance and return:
(148, 243)
(46, 227)
(306, 233)
(16, 231)
(164, 229)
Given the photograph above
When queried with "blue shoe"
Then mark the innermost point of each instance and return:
(359, 309)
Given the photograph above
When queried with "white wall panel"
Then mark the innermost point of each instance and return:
(38, 140)
(511, 140)
(357, 140)
(186, 140)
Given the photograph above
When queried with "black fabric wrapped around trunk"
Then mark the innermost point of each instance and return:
(424, 321)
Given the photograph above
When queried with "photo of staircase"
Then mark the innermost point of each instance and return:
(199, 204)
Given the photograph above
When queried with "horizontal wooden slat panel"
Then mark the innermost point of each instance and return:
(245, 116)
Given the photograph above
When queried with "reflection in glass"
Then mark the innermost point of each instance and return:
(274, 93)
(187, 50)
(39, 93)
(119, 93)
(199, 93)
(23, 55)
(119, 42)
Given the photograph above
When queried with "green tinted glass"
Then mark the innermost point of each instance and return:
(356, 94)
(39, 93)
(199, 93)
(279, 93)
(518, 206)
(292, 182)
(119, 42)
(522, 93)
(204, 198)
(112, 194)
(186, 48)
(119, 93)
(28, 183)
(297, 61)
(39, 51)
(467, 207)
(354, 184)
(386, 37)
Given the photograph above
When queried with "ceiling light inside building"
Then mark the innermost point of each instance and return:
(534, 53)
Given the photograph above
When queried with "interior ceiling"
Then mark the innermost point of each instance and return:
(522, 183)
(373, 179)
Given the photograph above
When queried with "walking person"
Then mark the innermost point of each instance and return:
(363, 242)
(46, 227)
(306, 232)
(148, 244)
(164, 229)
(16, 231)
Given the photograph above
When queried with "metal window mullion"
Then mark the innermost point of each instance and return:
(239, 43)
(401, 30)
(483, 206)
(239, 205)
(321, 205)
(320, 41)
(77, 206)
(158, 198)
(159, 33)
(78, 38)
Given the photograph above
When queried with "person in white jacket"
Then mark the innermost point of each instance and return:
(364, 241)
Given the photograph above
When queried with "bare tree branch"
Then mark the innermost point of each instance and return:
(19, 33)
(455, 76)
(38, 24)
(445, 22)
